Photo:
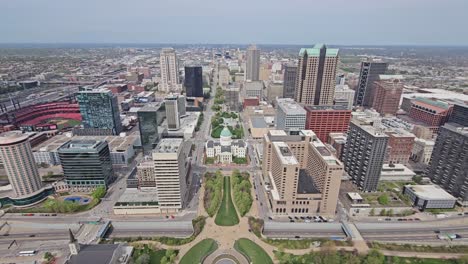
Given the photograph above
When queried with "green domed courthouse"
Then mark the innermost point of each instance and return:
(224, 150)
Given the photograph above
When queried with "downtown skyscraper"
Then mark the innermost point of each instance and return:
(370, 71)
(253, 64)
(169, 70)
(316, 75)
(193, 81)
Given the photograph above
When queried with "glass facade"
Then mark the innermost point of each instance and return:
(86, 163)
(193, 81)
(148, 124)
(99, 109)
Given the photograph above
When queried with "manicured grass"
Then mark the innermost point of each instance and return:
(254, 252)
(155, 256)
(227, 215)
(198, 252)
(216, 132)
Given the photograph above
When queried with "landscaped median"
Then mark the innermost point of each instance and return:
(227, 215)
(213, 192)
(198, 252)
(252, 251)
(241, 188)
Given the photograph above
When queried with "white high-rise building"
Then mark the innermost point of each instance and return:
(169, 71)
(290, 115)
(18, 160)
(252, 72)
(170, 171)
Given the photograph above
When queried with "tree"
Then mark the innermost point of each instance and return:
(48, 256)
(372, 212)
(374, 257)
(383, 212)
(143, 259)
(383, 199)
(417, 179)
(390, 212)
(99, 192)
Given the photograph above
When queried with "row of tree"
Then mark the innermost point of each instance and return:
(213, 192)
(241, 187)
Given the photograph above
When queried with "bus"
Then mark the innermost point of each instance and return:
(27, 253)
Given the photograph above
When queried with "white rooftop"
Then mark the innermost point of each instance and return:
(429, 192)
(286, 155)
(354, 196)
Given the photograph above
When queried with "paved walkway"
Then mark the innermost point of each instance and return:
(218, 254)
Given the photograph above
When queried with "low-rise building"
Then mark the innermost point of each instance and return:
(396, 172)
(429, 196)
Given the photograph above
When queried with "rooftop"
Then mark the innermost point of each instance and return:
(12, 137)
(290, 107)
(315, 51)
(168, 145)
(116, 143)
(306, 183)
(326, 108)
(286, 156)
(430, 192)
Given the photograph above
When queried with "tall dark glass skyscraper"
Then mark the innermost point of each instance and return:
(148, 117)
(289, 83)
(370, 71)
(86, 164)
(99, 110)
(193, 81)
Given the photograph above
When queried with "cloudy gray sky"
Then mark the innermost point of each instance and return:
(386, 22)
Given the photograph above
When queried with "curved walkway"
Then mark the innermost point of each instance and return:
(215, 256)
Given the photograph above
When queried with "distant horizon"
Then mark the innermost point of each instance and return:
(234, 44)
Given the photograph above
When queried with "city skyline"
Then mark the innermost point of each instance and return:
(395, 23)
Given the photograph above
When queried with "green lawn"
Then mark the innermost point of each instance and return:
(199, 251)
(227, 215)
(254, 252)
(216, 132)
(155, 255)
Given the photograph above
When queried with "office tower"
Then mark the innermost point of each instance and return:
(181, 105)
(290, 115)
(252, 72)
(289, 81)
(86, 164)
(254, 89)
(326, 119)
(148, 125)
(99, 111)
(175, 108)
(169, 70)
(449, 162)
(459, 114)
(274, 90)
(370, 71)
(170, 171)
(305, 177)
(232, 98)
(344, 96)
(315, 83)
(387, 96)
(399, 147)
(193, 82)
(18, 161)
(364, 154)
